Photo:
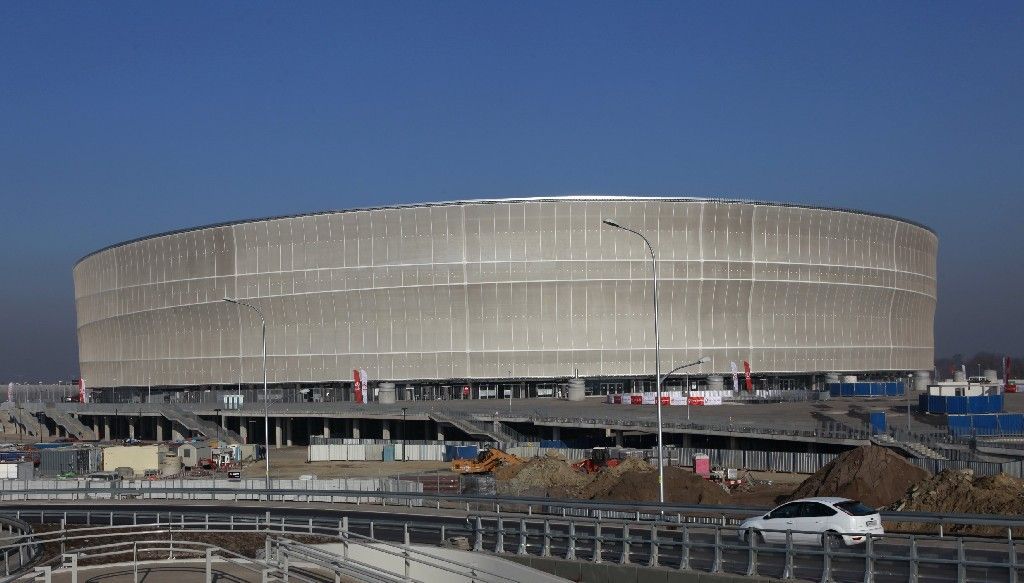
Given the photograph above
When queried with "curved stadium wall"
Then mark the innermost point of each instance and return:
(526, 288)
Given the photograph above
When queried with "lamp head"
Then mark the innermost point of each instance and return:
(230, 301)
(704, 359)
(611, 223)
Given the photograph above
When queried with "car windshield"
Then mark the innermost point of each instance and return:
(855, 508)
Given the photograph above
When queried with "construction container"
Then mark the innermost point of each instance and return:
(138, 457)
(16, 471)
(193, 453)
(702, 465)
(69, 460)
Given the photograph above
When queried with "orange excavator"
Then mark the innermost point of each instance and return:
(599, 458)
(485, 462)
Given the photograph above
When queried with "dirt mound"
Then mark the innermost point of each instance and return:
(681, 486)
(550, 474)
(959, 492)
(603, 481)
(872, 474)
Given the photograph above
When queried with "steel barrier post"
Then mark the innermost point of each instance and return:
(545, 550)
(751, 553)
(521, 550)
(499, 538)
(209, 565)
(912, 557)
(684, 554)
(624, 558)
(653, 560)
(478, 534)
(570, 551)
(716, 566)
(135, 563)
(406, 539)
(869, 559)
(371, 530)
(597, 558)
(961, 560)
(787, 571)
(1011, 558)
(826, 558)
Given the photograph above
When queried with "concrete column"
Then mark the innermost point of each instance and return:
(556, 433)
(131, 429)
(385, 429)
(96, 427)
(440, 431)
(355, 429)
(618, 437)
(289, 426)
(223, 421)
(176, 434)
(327, 427)
(159, 429)
(106, 427)
(278, 432)
(243, 429)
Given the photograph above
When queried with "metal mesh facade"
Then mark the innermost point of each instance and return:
(532, 288)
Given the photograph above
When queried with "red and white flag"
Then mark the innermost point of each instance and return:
(365, 384)
(81, 391)
(746, 376)
(357, 387)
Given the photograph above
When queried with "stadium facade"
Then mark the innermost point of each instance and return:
(537, 290)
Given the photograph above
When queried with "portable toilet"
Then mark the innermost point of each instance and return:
(702, 465)
(878, 424)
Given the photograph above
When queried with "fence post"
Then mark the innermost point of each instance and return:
(624, 558)
(209, 565)
(716, 566)
(597, 543)
(570, 551)
(1011, 558)
(869, 559)
(961, 559)
(545, 550)
(787, 571)
(478, 535)
(499, 536)
(521, 549)
(826, 558)
(653, 560)
(912, 555)
(684, 558)
(751, 553)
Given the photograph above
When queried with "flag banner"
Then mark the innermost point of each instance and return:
(357, 389)
(735, 376)
(82, 398)
(746, 375)
(365, 384)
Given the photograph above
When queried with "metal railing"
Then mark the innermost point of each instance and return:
(687, 546)
(17, 558)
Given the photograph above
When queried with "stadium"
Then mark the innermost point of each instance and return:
(521, 293)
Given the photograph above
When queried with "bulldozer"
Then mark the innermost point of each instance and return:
(485, 462)
(599, 458)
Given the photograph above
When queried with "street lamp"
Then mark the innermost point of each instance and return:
(266, 394)
(657, 354)
(702, 360)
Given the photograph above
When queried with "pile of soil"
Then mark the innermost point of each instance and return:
(550, 475)
(681, 486)
(605, 480)
(959, 492)
(874, 475)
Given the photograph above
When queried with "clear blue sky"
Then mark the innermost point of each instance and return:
(124, 119)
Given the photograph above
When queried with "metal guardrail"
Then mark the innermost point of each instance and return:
(24, 554)
(597, 510)
(683, 546)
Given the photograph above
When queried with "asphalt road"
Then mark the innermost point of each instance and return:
(848, 564)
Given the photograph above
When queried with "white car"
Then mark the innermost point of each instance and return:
(843, 521)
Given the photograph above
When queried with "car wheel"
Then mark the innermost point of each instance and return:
(834, 540)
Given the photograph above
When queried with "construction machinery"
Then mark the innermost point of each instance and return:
(485, 462)
(600, 457)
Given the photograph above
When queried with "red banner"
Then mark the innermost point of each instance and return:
(695, 401)
(746, 375)
(636, 399)
(665, 400)
(357, 385)
(81, 390)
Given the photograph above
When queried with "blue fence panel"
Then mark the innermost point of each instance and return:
(878, 423)
(985, 424)
(557, 443)
(937, 404)
(1012, 422)
(995, 403)
(959, 424)
(957, 405)
(833, 389)
(922, 403)
(894, 389)
(862, 389)
(846, 389)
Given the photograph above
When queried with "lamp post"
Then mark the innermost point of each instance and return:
(266, 394)
(657, 354)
